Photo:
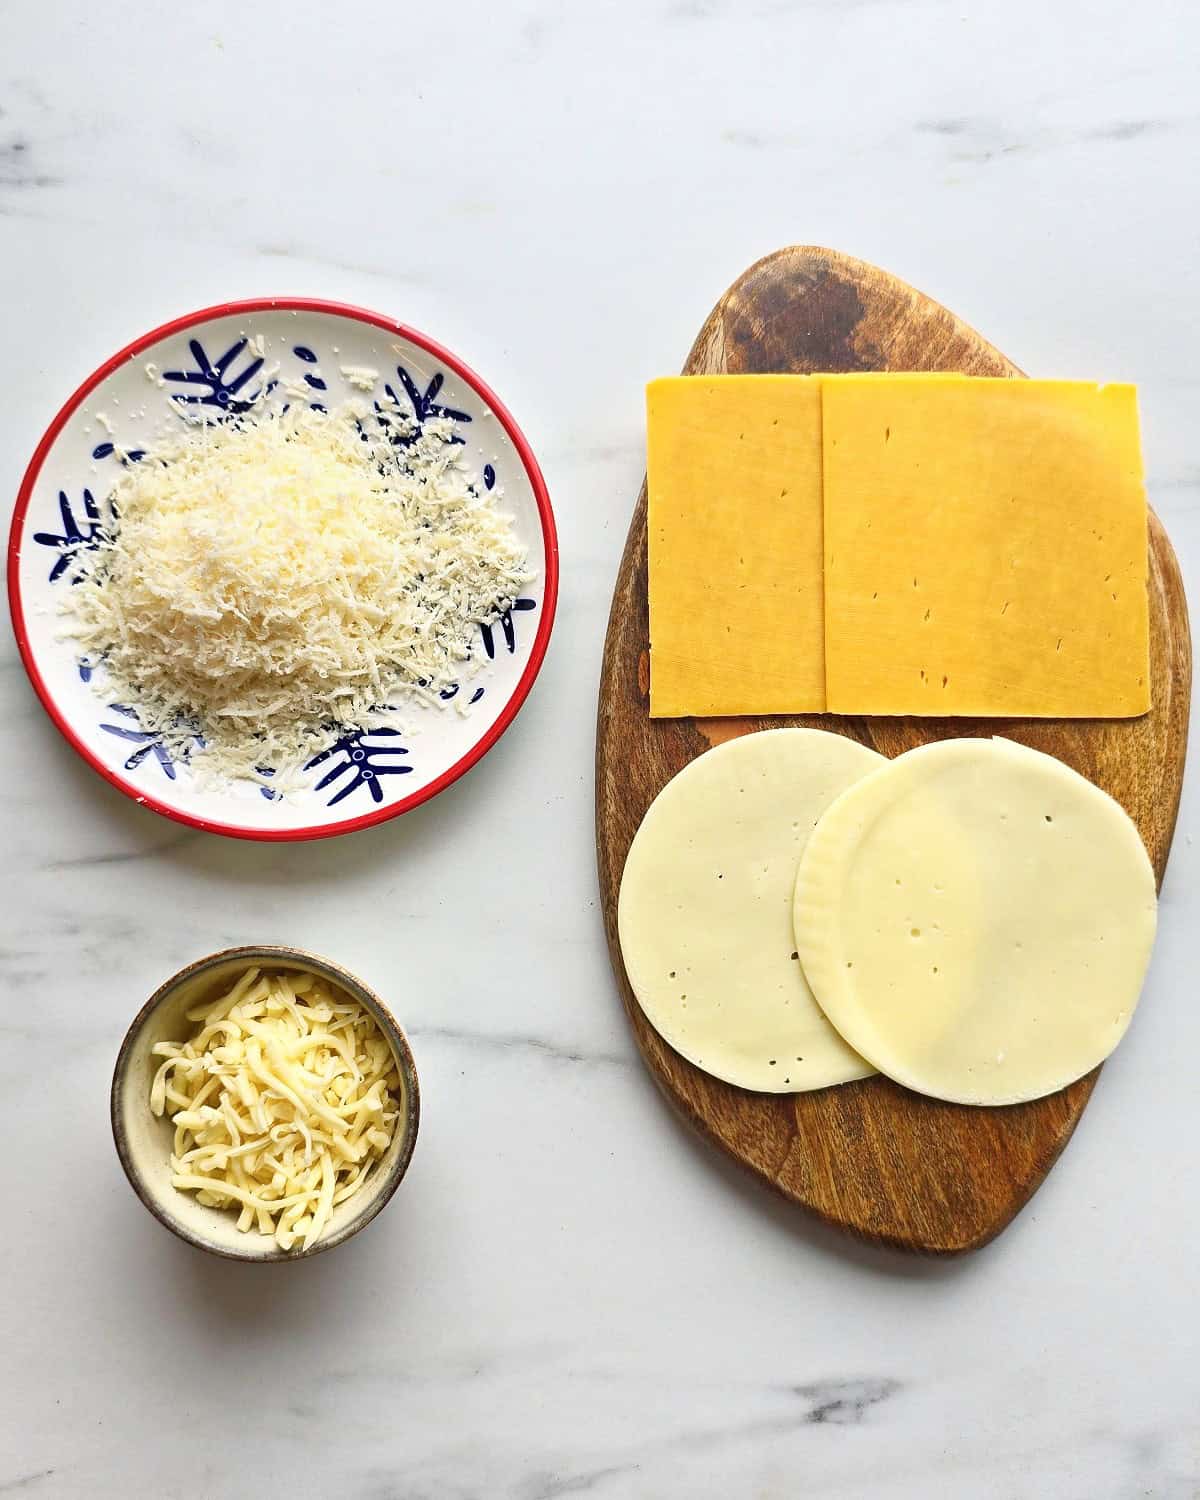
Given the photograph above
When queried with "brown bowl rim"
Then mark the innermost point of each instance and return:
(269, 952)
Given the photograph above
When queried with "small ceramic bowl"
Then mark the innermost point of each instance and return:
(218, 362)
(143, 1140)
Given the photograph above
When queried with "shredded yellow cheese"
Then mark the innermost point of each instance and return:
(282, 1101)
(268, 581)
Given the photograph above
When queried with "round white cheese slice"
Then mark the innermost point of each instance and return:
(976, 919)
(705, 911)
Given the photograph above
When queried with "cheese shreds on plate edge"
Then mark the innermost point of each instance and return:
(267, 582)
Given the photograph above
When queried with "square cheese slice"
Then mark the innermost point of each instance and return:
(734, 515)
(985, 548)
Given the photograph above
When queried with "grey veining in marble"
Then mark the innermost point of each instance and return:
(570, 1296)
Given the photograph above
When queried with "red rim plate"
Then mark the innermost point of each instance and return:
(549, 540)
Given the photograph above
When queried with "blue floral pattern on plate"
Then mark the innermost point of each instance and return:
(77, 536)
(147, 742)
(215, 382)
(368, 763)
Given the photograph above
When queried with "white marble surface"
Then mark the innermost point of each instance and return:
(569, 1296)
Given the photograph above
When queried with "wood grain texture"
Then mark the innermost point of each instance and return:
(869, 1157)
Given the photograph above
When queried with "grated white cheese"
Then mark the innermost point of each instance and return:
(361, 377)
(282, 1101)
(271, 580)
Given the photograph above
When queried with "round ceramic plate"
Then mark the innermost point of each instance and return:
(221, 359)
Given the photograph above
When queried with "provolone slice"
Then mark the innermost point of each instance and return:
(705, 911)
(976, 919)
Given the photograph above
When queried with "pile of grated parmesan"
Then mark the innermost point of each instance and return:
(269, 581)
(282, 1102)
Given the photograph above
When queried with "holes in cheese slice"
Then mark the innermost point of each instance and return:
(971, 944)
(705, 910)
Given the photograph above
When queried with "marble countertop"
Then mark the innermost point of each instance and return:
(569, 1296)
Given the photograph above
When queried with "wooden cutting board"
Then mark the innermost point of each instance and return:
(870, 1157)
